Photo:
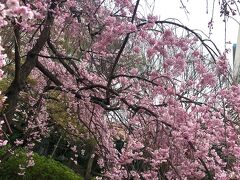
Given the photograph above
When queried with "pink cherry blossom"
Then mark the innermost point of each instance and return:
(12, 3)
(119, 76)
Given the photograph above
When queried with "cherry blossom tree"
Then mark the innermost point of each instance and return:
(157, 86)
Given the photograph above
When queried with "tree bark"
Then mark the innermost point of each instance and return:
(23, 72)
(89, 165)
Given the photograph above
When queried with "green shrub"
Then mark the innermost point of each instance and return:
(44, 168)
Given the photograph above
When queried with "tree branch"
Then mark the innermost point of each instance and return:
(12, 92)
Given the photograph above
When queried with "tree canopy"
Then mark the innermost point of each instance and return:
(151, 98)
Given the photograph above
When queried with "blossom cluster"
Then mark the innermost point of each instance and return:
(127, 78)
